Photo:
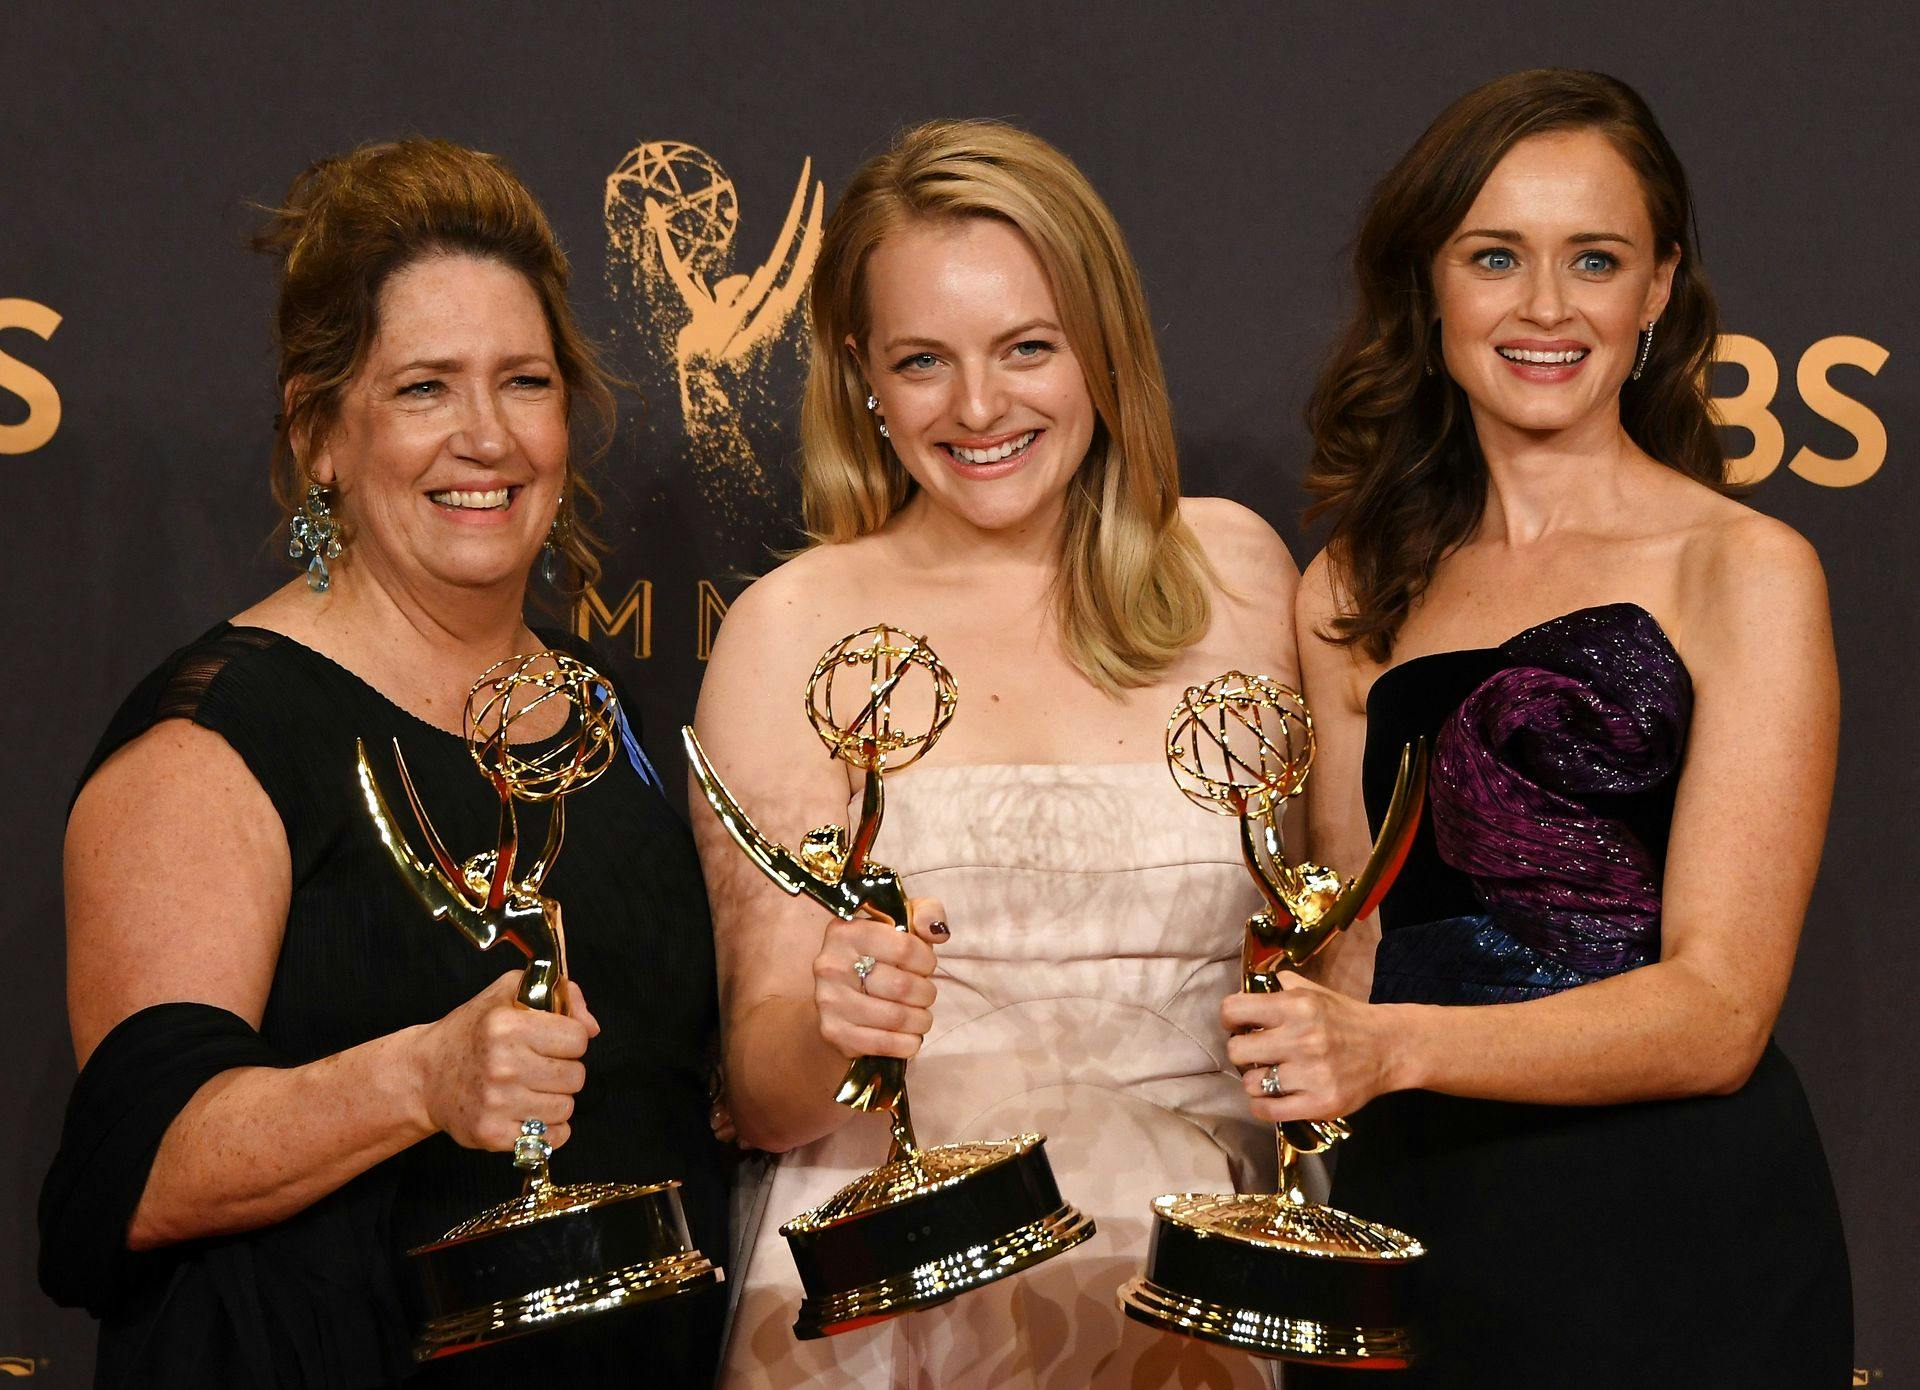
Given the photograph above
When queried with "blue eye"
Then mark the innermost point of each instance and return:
(1032, 348)
(919, 362)
(1596, 262)
(1497, 259)
(419, 388)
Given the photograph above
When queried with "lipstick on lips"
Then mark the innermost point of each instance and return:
(1544, 359)
(991, 456)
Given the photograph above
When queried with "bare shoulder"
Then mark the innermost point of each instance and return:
(780, 616)
(1753, 585)
(177, 881)
(773, 634)
(1238, 542)
(797, 588)
(174, 770)
(1337, 674)
(1743, 558)
(1735, 564)
(1318, 601)
(1254, 578)
(1750, 548)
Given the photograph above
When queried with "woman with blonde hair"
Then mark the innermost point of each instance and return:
(988, 460)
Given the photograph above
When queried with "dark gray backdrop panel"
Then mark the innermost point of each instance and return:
(1235, 143)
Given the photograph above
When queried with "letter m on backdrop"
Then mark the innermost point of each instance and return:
(635, 608)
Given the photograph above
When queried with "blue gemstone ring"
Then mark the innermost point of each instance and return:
(531, 1150)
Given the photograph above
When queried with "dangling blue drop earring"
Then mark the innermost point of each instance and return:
(550, 552)
(315, 531)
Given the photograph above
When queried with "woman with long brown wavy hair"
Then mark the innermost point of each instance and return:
(1560, 1032)
(988, 460)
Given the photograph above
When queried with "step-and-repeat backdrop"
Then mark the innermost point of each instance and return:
(1235, 142)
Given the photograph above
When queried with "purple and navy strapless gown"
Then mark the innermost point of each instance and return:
(1686, 1243)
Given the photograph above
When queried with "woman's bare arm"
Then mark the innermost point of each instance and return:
(178, 882)
(1332, 679)
(1748, 826)
(780, 957)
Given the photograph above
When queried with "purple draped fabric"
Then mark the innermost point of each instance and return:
(1594, 704)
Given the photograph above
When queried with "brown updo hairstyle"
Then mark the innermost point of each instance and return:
(1395, 457)
(350, 222)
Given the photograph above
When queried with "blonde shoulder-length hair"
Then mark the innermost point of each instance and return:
(1134, 585)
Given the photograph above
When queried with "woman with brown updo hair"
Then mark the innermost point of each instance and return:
(290, 1074)
(1561, 1031)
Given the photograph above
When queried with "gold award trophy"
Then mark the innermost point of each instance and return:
(1274, 1273)
(929, 1223)
(553, 1254)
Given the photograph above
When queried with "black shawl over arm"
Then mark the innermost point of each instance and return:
(240, 1310)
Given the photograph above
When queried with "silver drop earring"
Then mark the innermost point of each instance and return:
(873, 403)
(1646, 347)
(316, 531)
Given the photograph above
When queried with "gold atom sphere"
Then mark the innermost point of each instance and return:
(511, 690)
(865, 733)
(699, 200)
(1240, 743)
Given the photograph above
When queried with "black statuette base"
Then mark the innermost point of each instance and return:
(933, 1246)
(1297, 1304)
(472, 1291)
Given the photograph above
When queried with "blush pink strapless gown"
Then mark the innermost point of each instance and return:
(1096, 927)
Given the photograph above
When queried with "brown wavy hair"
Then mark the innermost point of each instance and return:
(347, 224)
(1395, 457)
(1134, 587)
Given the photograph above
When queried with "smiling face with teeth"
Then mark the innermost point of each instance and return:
(449, 450)
(980, 390)
(1543, 290)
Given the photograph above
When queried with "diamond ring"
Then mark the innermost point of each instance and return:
(863, 967)
(531, 1149)
(1270, 1083)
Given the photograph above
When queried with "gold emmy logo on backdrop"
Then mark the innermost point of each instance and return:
(1751, 409)
(554, 1254)
(671, 218)
(18, 379)
(929, 1223)
(1275, 1273)
(21, 1366)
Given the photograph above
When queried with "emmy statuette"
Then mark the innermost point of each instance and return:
(1276, 1274)
(555, 1253)
(930, 1223)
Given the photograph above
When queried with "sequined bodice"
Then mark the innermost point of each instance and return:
(1555, 757)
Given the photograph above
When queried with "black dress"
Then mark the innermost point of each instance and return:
(314, 1301)
(1679, 1243)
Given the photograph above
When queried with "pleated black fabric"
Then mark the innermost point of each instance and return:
(312, 1301)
